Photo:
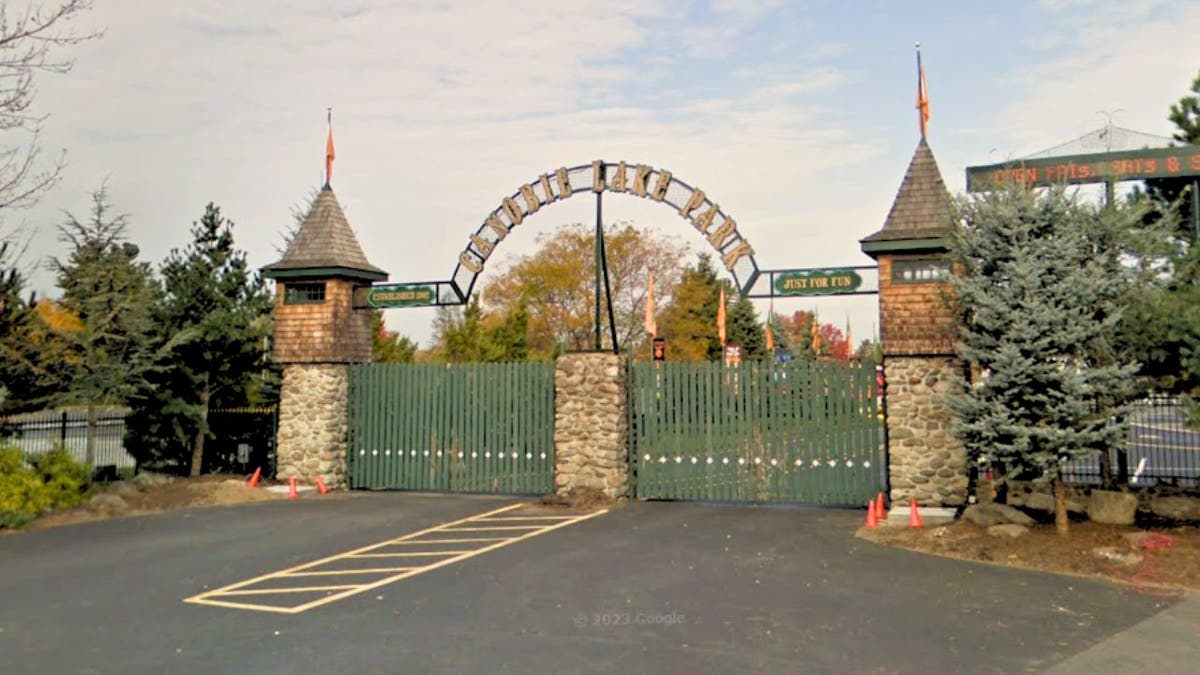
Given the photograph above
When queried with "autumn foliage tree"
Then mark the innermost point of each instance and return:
(556, 285)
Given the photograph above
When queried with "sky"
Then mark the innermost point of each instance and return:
(797, 117)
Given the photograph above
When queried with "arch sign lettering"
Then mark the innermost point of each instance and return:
(638, 180)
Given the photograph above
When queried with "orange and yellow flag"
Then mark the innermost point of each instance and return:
(922, 94)
(721, 317)
(329, 154)
(815, 331)
(650, 324)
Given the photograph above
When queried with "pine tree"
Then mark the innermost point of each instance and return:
(108, 351)
(745, 329)
(688, 322)
(389, 346)
(214, 320)
(1036, 312)
(17, 358)
(1175, 193)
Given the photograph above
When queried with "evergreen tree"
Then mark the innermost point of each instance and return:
(688, 322)
(779, 332)
(389, 346)
(214, 321)
(1036, 311)
(1175, 193)
(17, 358)
(744, 327)
(107, 351)
(473, 337)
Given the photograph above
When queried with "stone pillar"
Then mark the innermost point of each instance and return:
(925, 462)
(313, 417)
(316, 342)
(917, 329)
(591, 424)
(319, 330)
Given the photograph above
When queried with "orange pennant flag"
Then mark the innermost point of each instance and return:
(329, 154)
(721, 317)
(770, 339)
(650, 324)
(815, 330)
(922, 94)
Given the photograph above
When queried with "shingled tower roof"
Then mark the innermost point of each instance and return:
(325, 246)
(923, 211)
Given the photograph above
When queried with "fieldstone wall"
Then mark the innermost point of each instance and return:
(313, 423)
(591, 450)
(925, 462)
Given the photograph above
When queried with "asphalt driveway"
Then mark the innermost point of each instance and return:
(648, 587)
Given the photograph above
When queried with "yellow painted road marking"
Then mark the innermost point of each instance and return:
(334, 573)
(295, 589)
(404, 554)
(340, 591)
(449, 541)
(498, 527)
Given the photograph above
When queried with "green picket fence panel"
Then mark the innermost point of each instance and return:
(806, 432)
(461, 428)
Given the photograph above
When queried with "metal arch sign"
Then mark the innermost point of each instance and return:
(639, 180)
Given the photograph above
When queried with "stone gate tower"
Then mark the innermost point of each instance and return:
(318, 334)
(917, 328)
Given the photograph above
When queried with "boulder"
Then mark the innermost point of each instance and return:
(1176, 508)
(1112, 508)
(1010, 530)
(1118, 556)
(108, 502)
(987, 515)
(146, 480)
(1040, 501)
(123, 489)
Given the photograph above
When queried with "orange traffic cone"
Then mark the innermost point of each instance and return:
(872, 517)
(292, 492)
(253, 482)
(914, 517)
(880, 509)
(321, 489)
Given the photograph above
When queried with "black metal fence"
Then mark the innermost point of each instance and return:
(1160, 448)
(242, 439)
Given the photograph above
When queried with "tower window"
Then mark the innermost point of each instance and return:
(302, 294)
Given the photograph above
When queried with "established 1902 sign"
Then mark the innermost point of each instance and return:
(400, 295)
(818, 282)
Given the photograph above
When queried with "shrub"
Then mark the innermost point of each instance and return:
(22, 493)
(64, 480)
(54, 481)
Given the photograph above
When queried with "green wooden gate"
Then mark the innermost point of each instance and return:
(796, 432)
(461, 428)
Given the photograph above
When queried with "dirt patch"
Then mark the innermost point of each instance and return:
(1157, 561)
(127, 498)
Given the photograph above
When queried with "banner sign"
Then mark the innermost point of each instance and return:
(817, 282)
(1100, 167)
(400, 295)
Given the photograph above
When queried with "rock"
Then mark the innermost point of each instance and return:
(123, 489)
(1137, 539)
(1040, 501)
(1011, 530)
(987, 515)
(1176, 508)
(1119, 556)
(147, 480)
(108, 502)
(1112, 508)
